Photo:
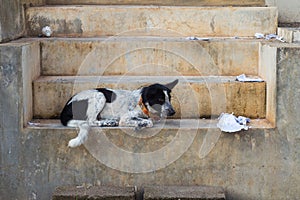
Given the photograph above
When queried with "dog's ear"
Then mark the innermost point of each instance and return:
(172, 84)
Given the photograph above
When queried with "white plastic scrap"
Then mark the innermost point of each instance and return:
(259, 35)
(269, 37)
(243, 78)
(243, 120)
(46, 31)
(197, 38)
(230, 123)
(274, 36)
(33, 124)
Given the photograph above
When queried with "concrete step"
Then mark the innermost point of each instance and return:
(183, 193)
(93, 192)
(193, 97)
(150, 193)
(189, 166)
(162, 2)
(168, 124)
(149, 56)
(95, 21)
(290, 34)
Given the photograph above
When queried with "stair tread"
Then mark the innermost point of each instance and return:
(183, 192)
(93, 192)
(143, 6)
(100, 38)
(167, 124)
(140, 79)
(165, 2)
(147, 38)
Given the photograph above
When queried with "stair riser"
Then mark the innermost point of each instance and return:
(190, 100)
(146, 56)
(91, 21)
(227, 158)
(163, 2)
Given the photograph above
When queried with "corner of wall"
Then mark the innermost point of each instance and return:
(267, 70)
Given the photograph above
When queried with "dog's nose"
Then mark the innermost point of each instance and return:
(171, 112)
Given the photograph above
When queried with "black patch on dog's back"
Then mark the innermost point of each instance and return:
(74, 110)
(110, 96)
(77, 109)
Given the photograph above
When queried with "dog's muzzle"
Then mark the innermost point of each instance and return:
(171, 112)
(168, 110)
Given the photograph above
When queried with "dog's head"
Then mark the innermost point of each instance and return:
(157, 99)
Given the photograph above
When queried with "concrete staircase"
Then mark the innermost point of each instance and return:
(130, 44)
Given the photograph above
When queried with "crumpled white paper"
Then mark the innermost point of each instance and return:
(46, 31)
(259, 35)
(269, 37)
(197, 38)
(230, 123)
(33, 124)
(243, 78)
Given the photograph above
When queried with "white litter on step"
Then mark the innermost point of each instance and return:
(33, 124)
(46, 31)
(243, 120)
(259, 36)
(230, 123)
(243, 78)
(197, 38)
(269, 37)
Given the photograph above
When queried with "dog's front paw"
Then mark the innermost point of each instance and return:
(111, 123)
(145, 123)
(106, 123)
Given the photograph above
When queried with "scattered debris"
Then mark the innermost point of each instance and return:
(46, 31)
(33, 124)
(243, 78)
(269, 37)
(230, 123)
(242, 120)
(197, 38)
(259, 36)
(84, 185)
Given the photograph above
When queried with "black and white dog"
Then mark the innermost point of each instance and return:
(106, 107)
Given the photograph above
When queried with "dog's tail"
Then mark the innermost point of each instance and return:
(82, 135)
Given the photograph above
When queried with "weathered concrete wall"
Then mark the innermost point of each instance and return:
(12, 20)
(18, 66)
(257, 164)
(33, 2)
(288, 10)
(10, 105)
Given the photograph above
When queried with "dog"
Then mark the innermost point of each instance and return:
(104, 107)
